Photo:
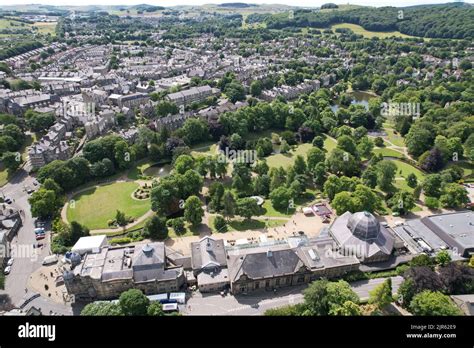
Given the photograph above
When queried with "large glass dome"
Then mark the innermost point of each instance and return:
(364, 225)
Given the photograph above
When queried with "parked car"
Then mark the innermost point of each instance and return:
(37, 245)
(8, 200)
(40, 236)
(40, 223)
(10, 262)
(7, 270)
(49, 260)
(39, 230)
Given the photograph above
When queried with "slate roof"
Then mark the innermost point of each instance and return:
(208, 251)
(148, 256)
(263, 263)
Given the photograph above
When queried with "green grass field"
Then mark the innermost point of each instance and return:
(244, 225)
(94, 207)
(388, 152)
(404, 169)
(42, 27)
(286, 160)
(46, 27)
(395, 139)
(329, 144)
(6, 23)
(357, 29)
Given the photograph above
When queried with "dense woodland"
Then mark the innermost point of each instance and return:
(454, 21)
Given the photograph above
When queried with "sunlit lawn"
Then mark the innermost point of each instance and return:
(357, 29)
(388, 152)
(238, 224)
(404, 169)
(94, 207)
(329, 144)
(286, 160)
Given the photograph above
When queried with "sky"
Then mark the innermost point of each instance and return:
(310, 3)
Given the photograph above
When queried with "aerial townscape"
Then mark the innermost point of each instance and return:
(237, 159)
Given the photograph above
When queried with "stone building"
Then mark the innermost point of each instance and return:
(105, 275)
(209, 264)
(295, 262)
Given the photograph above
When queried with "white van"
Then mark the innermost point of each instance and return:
(49, 260)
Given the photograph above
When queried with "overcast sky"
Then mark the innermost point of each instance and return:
(314, 3)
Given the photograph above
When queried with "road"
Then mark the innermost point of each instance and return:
(257, 304)
(26, 258)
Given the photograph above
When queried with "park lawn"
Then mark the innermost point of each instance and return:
(404, 169)
(395, 139)
(272, 212)
(329, 144)
(244, 224)
(208, 148)
(287, 160)
(94, 207)
(388, 152)
(357, 29)
(3, 175)
(402, 185)
(190, 231)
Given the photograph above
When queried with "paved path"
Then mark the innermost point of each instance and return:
(257, 304)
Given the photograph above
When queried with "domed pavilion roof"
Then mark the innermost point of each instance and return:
(364, 225)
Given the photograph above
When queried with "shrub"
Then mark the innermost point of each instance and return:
(432, 202)
(220, 224)
(178, 225)
(121, 240)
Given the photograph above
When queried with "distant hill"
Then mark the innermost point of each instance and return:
(147, 8)
(237, 5)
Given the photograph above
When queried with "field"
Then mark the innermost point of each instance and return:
(286, 160)
(46, 27)
(388, 152)
(94, 207)
(329, 144)
(42, 27)
(244, 225)
(404, 169)
(357, 29)
(395, 139)
(11, 24)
